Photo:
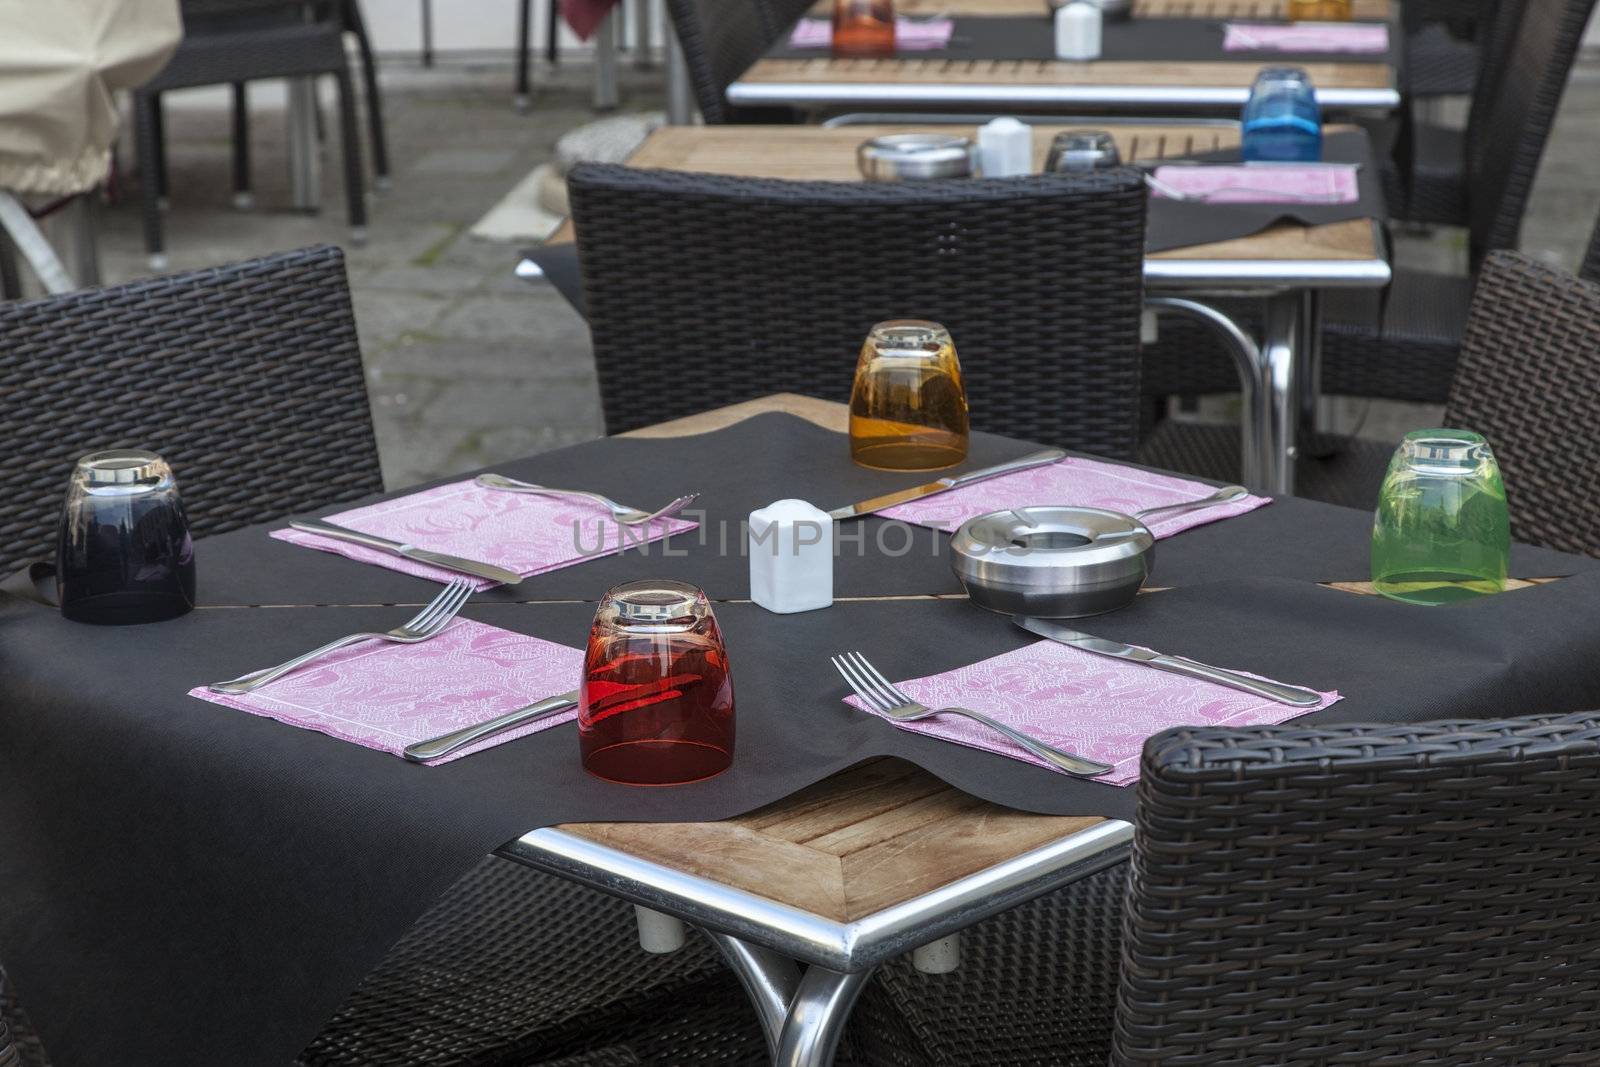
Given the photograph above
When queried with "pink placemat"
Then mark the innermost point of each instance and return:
(1274, 183)
(516, 531)
(1362, 37)
(909, 34)
(1089, 705)
(387, 696)
(1074, 482)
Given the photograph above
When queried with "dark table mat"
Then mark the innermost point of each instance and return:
(770, 457)
(189, 885)
(1176, 224)
(1153, 40)
(186, 884)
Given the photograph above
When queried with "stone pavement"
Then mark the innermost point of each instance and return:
(468, 365)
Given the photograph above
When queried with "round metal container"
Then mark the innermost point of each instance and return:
(1053, 562)
(1079, 150)
(898, 157)
(1110, 10)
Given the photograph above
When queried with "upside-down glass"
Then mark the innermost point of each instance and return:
(908, 408)
(123, 553)
(1282, 119)
(1442, 532)
(863, 28)
(656, 704)
(1319, 10)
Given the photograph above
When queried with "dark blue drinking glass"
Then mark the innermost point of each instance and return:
(1282, 119)
(124, 553)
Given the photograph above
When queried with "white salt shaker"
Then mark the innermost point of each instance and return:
(791, 557)
(1005, 148)
(1078, 30)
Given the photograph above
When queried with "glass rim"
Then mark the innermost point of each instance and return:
(908, 337)
(655, 600)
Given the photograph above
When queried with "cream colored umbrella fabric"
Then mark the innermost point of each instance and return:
(60, 63)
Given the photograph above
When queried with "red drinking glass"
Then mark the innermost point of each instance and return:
(656, 705)
(863, 28)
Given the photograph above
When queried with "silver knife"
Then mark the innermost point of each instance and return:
(421, 555)
(889, 500)
(1292, 695)
(443, 745)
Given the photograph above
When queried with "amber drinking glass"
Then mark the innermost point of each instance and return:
(908, 409)
(1319, 10)
(863, 28)
(656, 704)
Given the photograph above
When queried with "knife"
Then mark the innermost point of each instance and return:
(443, 745)
(1282, 694)
(395, 548)
(904, 496)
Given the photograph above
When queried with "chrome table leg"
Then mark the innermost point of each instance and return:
(1310, 372)
(680, 97)
(305, 179)
(802, 1011)
(1278, 385)
(605, 63)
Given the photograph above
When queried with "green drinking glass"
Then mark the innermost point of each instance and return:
(1442, 533)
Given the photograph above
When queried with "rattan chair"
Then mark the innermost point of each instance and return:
(231, 42)
(1298, 897)
(706, 290)
(721, 39)
(1404, 345)
(1529, 381)
(235, 374)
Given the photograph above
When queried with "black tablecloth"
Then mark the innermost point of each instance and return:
(183, 884)
(1150, 40)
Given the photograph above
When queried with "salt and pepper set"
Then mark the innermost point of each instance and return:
(791, 557)
(1079, 30)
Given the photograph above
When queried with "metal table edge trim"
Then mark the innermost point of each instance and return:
(809, 938)
(769, 94)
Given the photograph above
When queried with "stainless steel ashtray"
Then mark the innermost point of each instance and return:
(1053, 562)
(898, 157)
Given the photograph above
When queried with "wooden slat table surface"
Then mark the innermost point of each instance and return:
(1197, 9)
(820, 153)
(925, 70)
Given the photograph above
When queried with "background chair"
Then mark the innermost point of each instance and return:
(705, 290)
(231, 42)
(1528, 381)
(721, 39)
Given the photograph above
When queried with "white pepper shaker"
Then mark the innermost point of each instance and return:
(1078, 30)
(791, 557)
(1005, 148)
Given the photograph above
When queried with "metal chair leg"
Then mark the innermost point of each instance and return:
(158, 153)
(350, 135)
(243, 198)
(10, 289)
(357, 25)
(147, 137)
(522, 94)
(427, 33)
(552, 53)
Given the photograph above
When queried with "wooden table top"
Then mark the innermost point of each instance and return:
(1197, 9)
(869, 838)
(817, 152)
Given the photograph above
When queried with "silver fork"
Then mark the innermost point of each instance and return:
(622, 513)
(429, 622)
(879, 693)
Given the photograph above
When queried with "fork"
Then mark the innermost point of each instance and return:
(429, 622)
(625, 515)
(880, 694)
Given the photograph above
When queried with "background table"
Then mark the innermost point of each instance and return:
(1286, 266)
(920, 81)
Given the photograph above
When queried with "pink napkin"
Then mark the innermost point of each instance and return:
(909, 34)
(516, 531)
(1367, 37)
(1089, 705)
(1274, 183)
(387, 696)
(1077, 483)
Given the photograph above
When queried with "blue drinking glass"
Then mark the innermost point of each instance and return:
(1282, 120)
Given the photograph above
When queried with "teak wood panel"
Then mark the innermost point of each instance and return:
(1199, 9)
(930, 70)
(850, 846)
(800, 153)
